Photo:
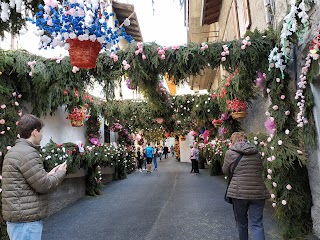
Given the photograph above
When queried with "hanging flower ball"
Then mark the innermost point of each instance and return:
(284, 202)
(274, 204)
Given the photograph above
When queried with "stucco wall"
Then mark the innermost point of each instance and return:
(59, 129)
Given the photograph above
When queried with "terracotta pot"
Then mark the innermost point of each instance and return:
(84, 54)
(238, 115)
(77, 123)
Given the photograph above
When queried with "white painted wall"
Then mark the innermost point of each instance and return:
(59, 129)
(185, 148)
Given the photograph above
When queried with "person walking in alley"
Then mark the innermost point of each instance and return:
(165, 151)
(25, 182)
(149, 152)
(155, 155)
(194, 156)
(247, 188)
(172, 150)
(139, 159)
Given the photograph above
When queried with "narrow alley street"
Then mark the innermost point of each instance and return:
(168, 204)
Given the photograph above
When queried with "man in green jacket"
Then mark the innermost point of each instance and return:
(25, 182)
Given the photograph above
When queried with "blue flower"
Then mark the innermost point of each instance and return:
(68, 18)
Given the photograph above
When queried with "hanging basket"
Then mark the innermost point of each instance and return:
(238, 115)
(217, 125)
(76, 123)
(84, 54)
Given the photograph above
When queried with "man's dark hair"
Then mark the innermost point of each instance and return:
(27, 124)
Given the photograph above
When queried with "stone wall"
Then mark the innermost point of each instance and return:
(73, 188)
(69, 191)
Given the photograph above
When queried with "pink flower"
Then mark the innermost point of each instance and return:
(136, 52)
(243, 47)
(2, 121)
(14, 94)
(8, 128)
(19, 96)
(2, 132)
(8, 147)
(287, 112)
(288, 187)
(49, 22)
(16, 103)
(280, 142)
(274, 204)
(163, 56)
(270, 125)
(275, 107)
(144, 57)
(273, 196)
(3, 106)
(282, 97)
(223, 59)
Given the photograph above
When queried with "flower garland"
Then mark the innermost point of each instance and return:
(302, 84)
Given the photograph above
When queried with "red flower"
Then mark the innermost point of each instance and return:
(237, 105)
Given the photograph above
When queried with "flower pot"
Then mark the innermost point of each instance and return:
(76, 123)
(238, 115)
(217, 125)
(84, 54)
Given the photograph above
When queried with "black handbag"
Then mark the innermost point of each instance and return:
(229, 199)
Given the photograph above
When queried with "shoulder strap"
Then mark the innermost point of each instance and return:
(234, 167)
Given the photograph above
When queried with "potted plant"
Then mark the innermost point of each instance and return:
(82, 27)
(217, 123)
(238, 108)
(77, 116)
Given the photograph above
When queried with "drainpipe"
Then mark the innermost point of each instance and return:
(268, 12)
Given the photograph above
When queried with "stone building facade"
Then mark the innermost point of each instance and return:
(234, 18)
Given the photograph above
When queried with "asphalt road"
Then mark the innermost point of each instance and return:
(168, 204)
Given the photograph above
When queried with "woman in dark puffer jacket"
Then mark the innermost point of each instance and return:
(247, 188)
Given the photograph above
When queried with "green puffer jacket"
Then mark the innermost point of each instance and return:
(25, 183)
(247, 181)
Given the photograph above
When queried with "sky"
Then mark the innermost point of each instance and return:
(165, 26)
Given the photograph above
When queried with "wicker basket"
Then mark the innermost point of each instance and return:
(75, 123)
(84, 54)
(238, 115)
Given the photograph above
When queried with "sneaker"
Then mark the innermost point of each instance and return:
(140, 170)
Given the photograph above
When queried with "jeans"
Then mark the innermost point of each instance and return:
(25, 230)
(251, 210)
(144, 163)
(155, 162)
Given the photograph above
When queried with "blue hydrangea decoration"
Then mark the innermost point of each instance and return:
(83, 20)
